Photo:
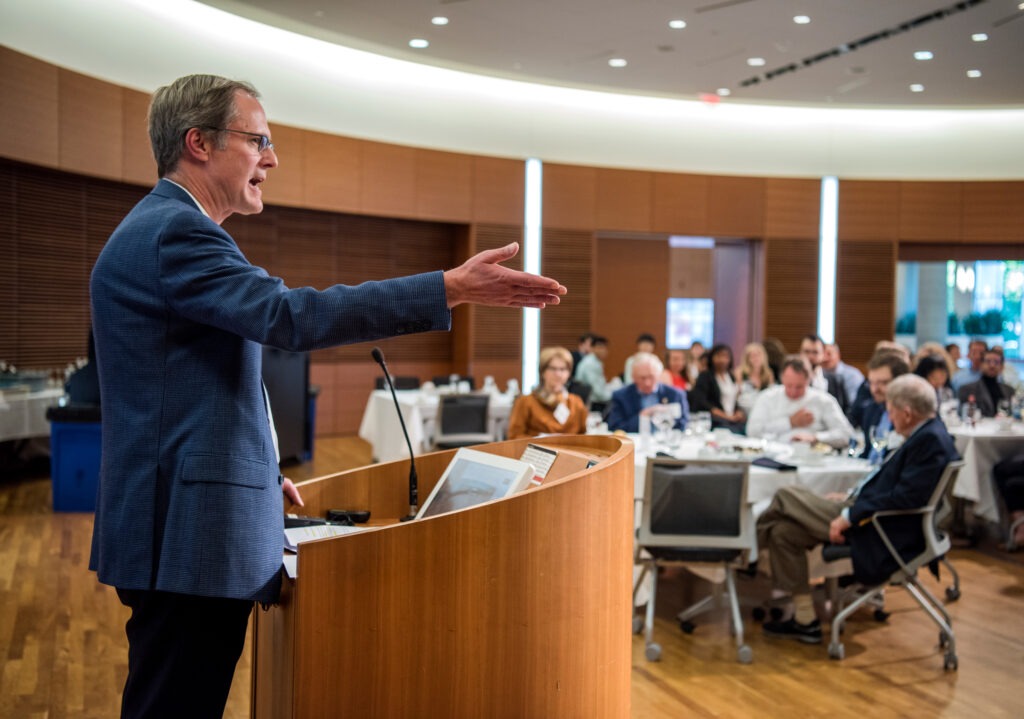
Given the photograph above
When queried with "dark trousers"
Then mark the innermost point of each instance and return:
(1009, 476)
(182, 652)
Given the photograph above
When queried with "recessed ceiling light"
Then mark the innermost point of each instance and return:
(917, 88)
(419, 43)
(677, 24)
(979, 37)
(923, 55)
(439, 20)
(974, 73)
(1020, 6)
(617, 62)
(755, 61)
(724, 91)
(801, 19)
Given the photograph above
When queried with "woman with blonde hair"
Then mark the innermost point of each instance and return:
(753, 375)
(550, 408)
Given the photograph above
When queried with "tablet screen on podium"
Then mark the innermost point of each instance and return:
(473, 478)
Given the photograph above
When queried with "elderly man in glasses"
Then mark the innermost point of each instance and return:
(189, 518)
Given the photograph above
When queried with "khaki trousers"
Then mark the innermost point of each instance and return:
(796, 520)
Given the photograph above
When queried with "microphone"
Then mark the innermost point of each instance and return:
(378, 357)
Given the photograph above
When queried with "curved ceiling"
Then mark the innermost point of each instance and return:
(334, 88)
(843, 53)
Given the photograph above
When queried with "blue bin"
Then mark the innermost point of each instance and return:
(74, 464)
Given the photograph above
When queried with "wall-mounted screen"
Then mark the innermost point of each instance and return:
(689, 320)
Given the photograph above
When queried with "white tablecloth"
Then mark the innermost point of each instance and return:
(380, 426)
(23, 414)
(981, 448)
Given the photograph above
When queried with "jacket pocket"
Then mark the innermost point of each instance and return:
(227, 469)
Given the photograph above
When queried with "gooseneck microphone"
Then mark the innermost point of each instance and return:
(378, 357)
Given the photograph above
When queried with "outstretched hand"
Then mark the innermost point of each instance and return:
(481, 280)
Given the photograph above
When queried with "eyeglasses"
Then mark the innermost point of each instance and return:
(265, 143)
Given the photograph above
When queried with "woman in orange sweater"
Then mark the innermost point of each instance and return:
(550, 409)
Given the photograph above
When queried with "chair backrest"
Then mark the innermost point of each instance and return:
(696, 503)
(400, 382)
(581, 390)
(937, 542)
(461, 415)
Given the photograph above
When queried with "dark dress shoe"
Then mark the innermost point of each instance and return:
(792, 629)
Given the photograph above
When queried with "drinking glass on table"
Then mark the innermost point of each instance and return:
(879, 442)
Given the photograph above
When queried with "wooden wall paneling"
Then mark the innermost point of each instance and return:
(624, 200)
(570, 196)
(735, 206)
(791, 289)
(865, 297)
(91, 126)
(29, 98)
(499, 190)
(792, 208)
(444, 185)
(285, 183)
(388, 184)
(567, 258)
(931, 211)
(680, 203)
(631, 285)
(961, 252)
(464, 245)
(9, 276)
(869, 210)
(334, 172)
(993, 211)
(137, 161)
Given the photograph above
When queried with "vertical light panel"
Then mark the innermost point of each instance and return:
(827, 250)
(531, 263)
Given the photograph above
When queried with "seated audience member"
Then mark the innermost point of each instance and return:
(812, 348)
(591, 370)
(777, 354)
(934, 348)
(883, 368)
(935, 369)
(716, 391)
(796, 412)
(1010, 377)
(753, 375)
(645, 396)
(1009, 476)
(550, 408)
(989, 390)
(851, 377)
(797, 519)
(582, 350)
(645, 344)
(674, 373)
(864, 400)
(972, 373)
(953, 350)
(696, 362)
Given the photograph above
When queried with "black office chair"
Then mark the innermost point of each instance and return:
(581, 390)
(399, 381)
(444, 380)
(462, 421)
(694, 511)
(937, 544)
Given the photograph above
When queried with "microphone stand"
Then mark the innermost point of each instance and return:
(378, 357)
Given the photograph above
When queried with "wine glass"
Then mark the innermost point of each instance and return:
(879, 441)
(664, 421)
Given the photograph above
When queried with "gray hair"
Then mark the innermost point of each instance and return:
(203, 101)
(642, 358)
(909, 391)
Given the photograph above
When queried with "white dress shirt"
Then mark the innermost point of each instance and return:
(770, 415)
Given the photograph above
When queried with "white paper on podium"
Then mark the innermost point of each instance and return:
(294, 536)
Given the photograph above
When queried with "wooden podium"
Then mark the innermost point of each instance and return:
(515, 608)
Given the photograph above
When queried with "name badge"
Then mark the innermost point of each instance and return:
(561, 413)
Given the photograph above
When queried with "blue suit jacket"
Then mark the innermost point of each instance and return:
(625, 412)
(189, 498)
(905, 481)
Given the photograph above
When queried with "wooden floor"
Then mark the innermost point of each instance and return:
(64, 652)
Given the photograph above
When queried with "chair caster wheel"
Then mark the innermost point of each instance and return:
(687, 626)
(745, 655)
(881, 615)
(759, 614)
(652, 652)
(952, 593)
(950, 663)
(836, 650)
(638, 625)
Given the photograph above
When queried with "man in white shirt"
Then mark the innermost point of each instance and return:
(796, 412)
